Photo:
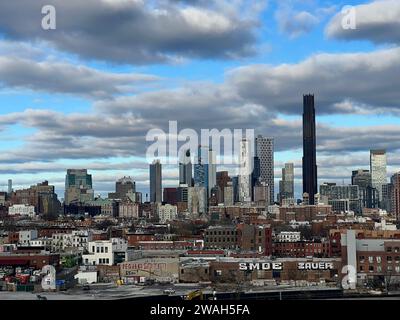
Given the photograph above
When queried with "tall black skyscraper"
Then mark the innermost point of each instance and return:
(309, 148)
(185, 169)
(156, 182)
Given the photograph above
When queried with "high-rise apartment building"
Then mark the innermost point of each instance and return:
(10, 186)
(201, 168)
(155, 182)
(170, 195)
(245, 171)
(264, 151)
(255, 175)
(286, 185)
(78, 186)
(235, 187)
(261, 194)
(125, 188)
(182, 193)
(336, 193)
(197, 201)
(185, 169)
(361, 178)
(395, 181)
(378, 170)
(228, 194)
(367, 194)
(212, 170)
(222, 181)
(387, 197)
(310, 184)
(205, 169)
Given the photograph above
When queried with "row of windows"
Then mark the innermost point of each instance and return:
(215, 233)
(219, 239)
(104, 261)
(378, 259)
(379, 269)
(392, 249)
(100, 249)
(301, 250)
(298, 245)
(221, 246)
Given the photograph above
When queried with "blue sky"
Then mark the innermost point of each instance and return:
(78, 98)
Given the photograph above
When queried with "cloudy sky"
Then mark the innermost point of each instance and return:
(85, 94)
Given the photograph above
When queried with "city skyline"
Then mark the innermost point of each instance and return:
(239, 79)
(298, 194)
(200, 157)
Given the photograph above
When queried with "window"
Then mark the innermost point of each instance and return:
(396, 249)
(389, 249)
(371, 259)
(379, 269)
(378, 259)
(371, 268)
(102, 249)
(389, 268)
(389, 259)
(397, 268)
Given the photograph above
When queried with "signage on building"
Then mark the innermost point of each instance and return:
(276, 266)
(158, 267)
(315, 266)
(249, 266)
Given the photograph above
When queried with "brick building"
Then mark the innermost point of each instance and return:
(221, 237)
(135, 238)
(301, 249)
(303, 212)
(373, 258)
(36, 261)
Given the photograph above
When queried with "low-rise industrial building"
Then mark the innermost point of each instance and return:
(164, 269)
(105, 252)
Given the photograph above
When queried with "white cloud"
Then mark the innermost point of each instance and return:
(63, 77)
(139, 32)
(377, 21)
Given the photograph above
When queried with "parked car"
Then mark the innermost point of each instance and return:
(169, 291)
